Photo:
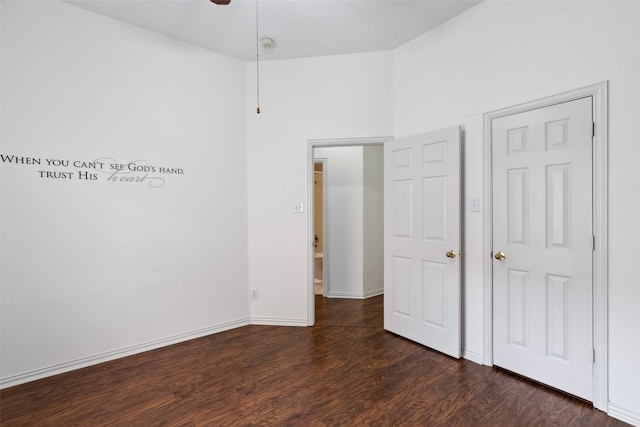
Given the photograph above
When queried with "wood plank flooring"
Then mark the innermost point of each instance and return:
(344, 371)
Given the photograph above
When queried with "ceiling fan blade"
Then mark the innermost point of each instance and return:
(221, 2)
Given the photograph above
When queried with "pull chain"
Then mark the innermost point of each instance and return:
(257, 62)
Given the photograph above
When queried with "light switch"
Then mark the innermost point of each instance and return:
(474, 204)
(298, 207)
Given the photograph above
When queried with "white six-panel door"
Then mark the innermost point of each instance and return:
(542, 245)
(422, 239)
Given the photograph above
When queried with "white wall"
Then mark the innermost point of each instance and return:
(500, 54)
(373, 220)
(96, 269)
(344, 96)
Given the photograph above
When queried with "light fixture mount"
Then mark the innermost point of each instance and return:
(267, 43)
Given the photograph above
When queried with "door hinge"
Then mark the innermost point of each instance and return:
(594, 355)
(593, 240)
(593, 129)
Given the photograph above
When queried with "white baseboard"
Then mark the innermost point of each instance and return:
(370, 294)
(473, 356)
(60, 368)
(345, 295)
(355, 295)
(274, 321)
(623, 414)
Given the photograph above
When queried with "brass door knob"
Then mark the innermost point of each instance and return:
(500, 256)
(451, 254)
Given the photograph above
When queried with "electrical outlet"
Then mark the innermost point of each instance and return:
(254, 294)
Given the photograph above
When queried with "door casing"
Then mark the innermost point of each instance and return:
(599, 92)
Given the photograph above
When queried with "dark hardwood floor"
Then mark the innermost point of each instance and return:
(344, 371)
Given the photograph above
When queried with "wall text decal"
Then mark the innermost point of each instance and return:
(100, 169)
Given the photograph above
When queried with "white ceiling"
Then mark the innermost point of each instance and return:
(300, 28)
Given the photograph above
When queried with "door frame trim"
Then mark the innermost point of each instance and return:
(599, 92)
(323, 143)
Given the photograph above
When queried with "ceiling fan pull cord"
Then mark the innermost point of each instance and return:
(257, 63)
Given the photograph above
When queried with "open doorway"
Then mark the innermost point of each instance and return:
(318, 238)
(348, 254)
